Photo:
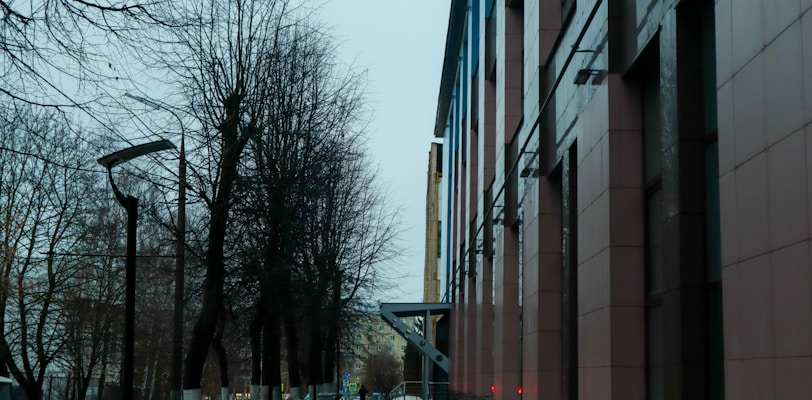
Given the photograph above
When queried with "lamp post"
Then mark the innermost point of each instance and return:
(180, 259)
(130, 204)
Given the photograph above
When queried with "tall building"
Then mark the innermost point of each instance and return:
(626, 198)
(431, 278)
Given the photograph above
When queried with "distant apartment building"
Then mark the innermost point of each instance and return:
(626, 198)
(431, 278)
(370, 335)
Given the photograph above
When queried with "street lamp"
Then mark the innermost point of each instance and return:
(180, 258)
(130, 204)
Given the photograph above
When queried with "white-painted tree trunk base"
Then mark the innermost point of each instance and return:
(312, 390)
(225, 393)
(296, 393)
(255, 391)
(327, 387)
(265, 393)
(276, 393)
(192, 394)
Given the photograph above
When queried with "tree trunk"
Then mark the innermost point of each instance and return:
(220, 351)
(256, 342)
(105, 348)
(293, 353)
(271, 354)
(82, 390)
(328, 369)
(314, 355)
(205, 325)
(32, 392)
(331, 356)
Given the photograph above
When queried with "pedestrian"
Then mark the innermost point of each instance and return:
(362, 392)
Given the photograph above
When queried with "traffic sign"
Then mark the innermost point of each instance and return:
(353, 386)
(345, 377)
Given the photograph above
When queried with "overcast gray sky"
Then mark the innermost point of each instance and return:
(401, 45)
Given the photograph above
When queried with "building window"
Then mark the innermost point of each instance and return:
(713, 285)
(392, 338)
(381, 328)
(490, 42)
(652, 168)
(568, 186)
(403, 348)
(439, 238)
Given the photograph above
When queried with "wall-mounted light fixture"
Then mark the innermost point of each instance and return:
(583, 75)
(528, 172)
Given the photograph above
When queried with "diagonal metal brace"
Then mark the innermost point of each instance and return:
(392, 314)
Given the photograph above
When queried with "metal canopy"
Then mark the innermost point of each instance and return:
(392, 314)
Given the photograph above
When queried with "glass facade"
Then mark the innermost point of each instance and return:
(713, 242)
(652, 172)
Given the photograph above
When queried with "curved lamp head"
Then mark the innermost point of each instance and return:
(111, 160)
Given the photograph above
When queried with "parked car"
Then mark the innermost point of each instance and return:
(323, 396)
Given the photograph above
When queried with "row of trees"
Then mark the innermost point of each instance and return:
(287, 233)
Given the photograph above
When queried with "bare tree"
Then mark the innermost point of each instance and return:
(311, 108)
(220, 63)
(382, 372)
(41, 197)
(302, 210)
(57, 53)
(412, 364)
(354, 235)
(91, 311)
(276, 121)
(320, 226)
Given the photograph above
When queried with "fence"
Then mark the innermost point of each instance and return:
(413, 390)
(64, 388)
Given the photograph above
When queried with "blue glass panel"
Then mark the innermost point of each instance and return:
(713, 226)
(475, 37)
